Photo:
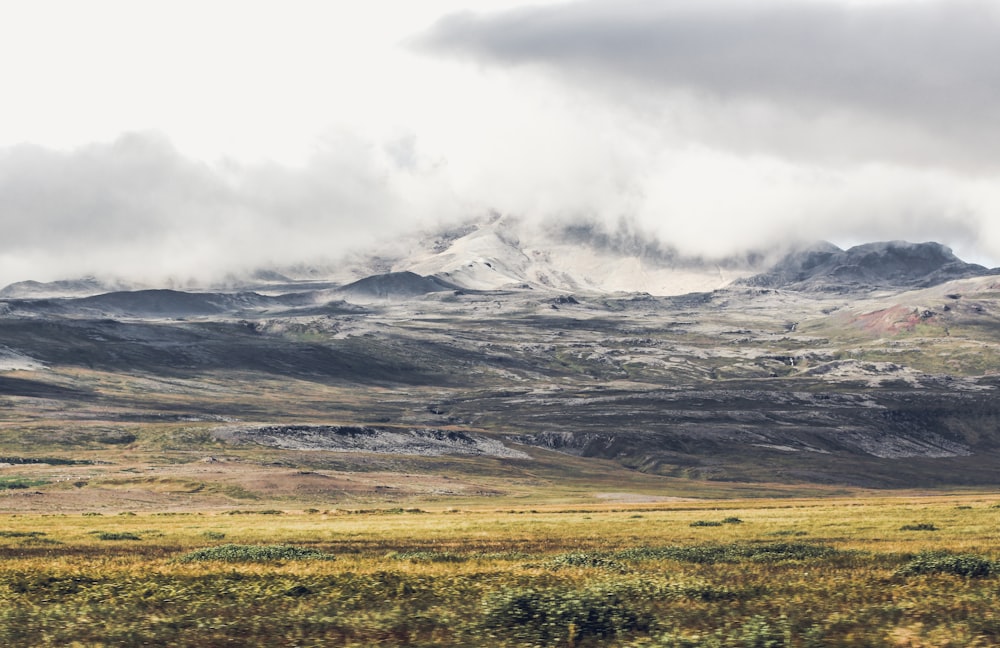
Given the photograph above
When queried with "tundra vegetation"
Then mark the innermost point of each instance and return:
(376, 464)
(794, 572)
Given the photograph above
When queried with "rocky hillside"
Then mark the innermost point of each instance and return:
(864, 268)
(874, 366)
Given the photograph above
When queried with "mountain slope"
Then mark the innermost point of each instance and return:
(504, 253)
(743, 384)
(873, 266)
(396, 284)
(64, 288)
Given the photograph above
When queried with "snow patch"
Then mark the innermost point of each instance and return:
(494, 256)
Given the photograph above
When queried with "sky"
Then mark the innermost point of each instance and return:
(186, 140)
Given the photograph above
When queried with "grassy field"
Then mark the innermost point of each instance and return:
(691, 471)
(864, 571)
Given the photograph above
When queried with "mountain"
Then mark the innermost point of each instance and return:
(163, 304)
(396, 284)
(153, 303)
(504, 253)
(63, 288)
(873, 266)
(739, 385)
(874, 366)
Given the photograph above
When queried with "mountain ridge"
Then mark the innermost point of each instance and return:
(824, 267)
(502, 253)
(744, 383)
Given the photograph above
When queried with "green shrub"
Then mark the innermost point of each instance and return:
(923, 526)
(687, 640)
(428, 556)
(584, 559)
(20, 534)
(736, 552)
(254, 553)
(20, 483)
(117, 438)
(784, 551)
(535, 616)
(113, 535)
(758, 632)
(939, 562)
(732, 520)
(755, 632)
(706, 523)
(705, 591)
(52, 461)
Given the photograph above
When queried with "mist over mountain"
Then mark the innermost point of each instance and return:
(503, 252)
(139, 210)
(872, 366)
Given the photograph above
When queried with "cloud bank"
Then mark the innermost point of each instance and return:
(922, 77)
(137, 208)
(751, 122)
(717, 125)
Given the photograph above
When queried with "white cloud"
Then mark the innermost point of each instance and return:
(910, 82)
(742, 123)
(137, 208)
(293, 134)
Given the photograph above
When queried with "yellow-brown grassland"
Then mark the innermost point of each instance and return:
(865, 570)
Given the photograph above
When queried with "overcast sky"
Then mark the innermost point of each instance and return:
(189, 139)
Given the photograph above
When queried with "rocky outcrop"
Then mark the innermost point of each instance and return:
(887, 265)
(381, 440)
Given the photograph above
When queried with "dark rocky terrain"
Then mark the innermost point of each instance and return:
(878, 366)
(874, 266)
(396, 284)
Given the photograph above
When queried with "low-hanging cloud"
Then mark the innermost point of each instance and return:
(744, 124)
(717, 126)
(137, 208)
(913, 82)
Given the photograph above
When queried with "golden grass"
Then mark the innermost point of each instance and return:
(450, 577)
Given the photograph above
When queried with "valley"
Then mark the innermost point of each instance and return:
(806, 455)
(743, 389)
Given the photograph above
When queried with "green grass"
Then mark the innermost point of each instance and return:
(20, 483)
(254, 553)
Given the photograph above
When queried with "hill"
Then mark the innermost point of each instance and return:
(872, 367)
(396, 284)
(873, 266)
